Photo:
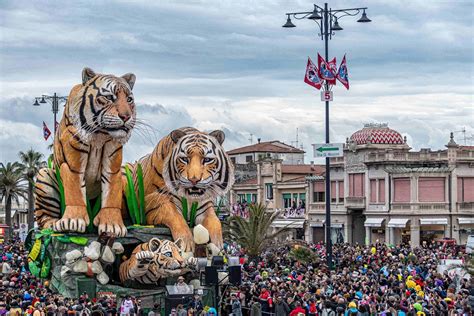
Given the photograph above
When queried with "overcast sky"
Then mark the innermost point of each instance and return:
(230, 65)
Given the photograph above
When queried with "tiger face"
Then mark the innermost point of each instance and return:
(104, 106)
(198, 168)
(167, 253)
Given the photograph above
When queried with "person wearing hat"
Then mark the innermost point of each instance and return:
(235, 305)
(351, 310)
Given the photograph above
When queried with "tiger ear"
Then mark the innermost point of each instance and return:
(219, 135)
(87, 74)
(180, 244)
(154, 244)
(176, 135)
(130, 79)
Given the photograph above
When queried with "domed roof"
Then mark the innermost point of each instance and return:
(377, 134)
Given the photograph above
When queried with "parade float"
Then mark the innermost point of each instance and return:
(124, 229)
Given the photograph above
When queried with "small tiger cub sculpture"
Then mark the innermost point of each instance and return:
(189, 164)
(98, 119)
(154, 260)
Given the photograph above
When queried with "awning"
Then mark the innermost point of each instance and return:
(433, 221)
(334, 225)
(466, 220)
(374, 222)
(290, 223)
(398, 222)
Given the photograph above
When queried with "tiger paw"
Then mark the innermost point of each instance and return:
(75, 219)
(144, 257)
(187, 239)
(109, 220)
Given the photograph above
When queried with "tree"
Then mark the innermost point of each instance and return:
(254, 233)
(32, 162)
(11, 188)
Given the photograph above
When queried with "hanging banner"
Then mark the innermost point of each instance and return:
(46, 131)
(311, 76)
(327, 70)
(342, 74)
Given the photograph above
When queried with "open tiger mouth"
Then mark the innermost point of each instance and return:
(195, 191)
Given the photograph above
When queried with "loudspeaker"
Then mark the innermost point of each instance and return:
(217, 261)
(235, 275)
(211, 276)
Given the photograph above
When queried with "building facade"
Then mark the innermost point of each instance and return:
(381, 190)
(267, 150)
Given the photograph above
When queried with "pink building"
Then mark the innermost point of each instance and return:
(380, 190)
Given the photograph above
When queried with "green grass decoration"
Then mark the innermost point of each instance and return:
(141, 194)
(135, 209)
(192, 218)
(50, 162)
(62, 197)
(92, 212)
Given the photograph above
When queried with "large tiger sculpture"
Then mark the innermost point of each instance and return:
(98, 119)
(191, 164)
(154, 260)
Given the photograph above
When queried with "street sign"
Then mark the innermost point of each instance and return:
(326, 96)
(328, 150)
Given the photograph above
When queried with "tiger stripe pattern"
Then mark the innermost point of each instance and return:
(186, 163)
(152, 261)
(98, 119)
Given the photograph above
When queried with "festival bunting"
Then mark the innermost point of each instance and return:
(46, 131)
(311, 76)
(327, 71)
(342, 74)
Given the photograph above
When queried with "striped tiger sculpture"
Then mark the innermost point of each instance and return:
(154, 260)
(191, 164)
(98, 119)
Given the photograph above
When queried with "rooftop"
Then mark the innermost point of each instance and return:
(274, 146)
(303, 169)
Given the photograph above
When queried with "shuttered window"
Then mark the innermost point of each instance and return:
(466, 189)
(431, 189)
(382, 191)
(373, 191)
(401, 190)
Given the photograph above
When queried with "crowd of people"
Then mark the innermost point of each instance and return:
(365, 280)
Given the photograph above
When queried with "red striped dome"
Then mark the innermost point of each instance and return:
(377, 134)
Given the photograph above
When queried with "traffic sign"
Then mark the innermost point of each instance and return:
(326, 96)
(328, 150)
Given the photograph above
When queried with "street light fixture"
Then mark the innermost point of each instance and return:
(54, 100)
(327, 21)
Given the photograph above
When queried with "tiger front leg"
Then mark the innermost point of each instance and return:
(75, 217)
(161, 211)
(213, 225)
(109, 219)
(136, 266)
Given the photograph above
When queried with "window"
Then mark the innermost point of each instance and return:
(431, 189)
(381, 190)
(232, 159)
(269, 191)
(286, 200)
(319, 191)
(465, 189)
(241, 197)
(341, 191)
(401, 190)
(373, 191)
(248, 158)
(356, 184)
(333, 191)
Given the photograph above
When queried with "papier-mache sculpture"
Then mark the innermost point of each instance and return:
(187, 166)
(98, 119)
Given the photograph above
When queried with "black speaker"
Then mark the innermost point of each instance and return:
(211, 276)
(217, 261)
(235, 275)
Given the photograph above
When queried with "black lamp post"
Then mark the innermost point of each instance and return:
(327, 21)
(54, 100)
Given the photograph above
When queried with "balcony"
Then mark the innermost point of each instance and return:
(290, 212)
(421, 207)
(356, 202)
(466, 206)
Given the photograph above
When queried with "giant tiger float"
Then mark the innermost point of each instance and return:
(124, 228)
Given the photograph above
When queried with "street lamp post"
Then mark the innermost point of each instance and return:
(327, 20)
(54, 100)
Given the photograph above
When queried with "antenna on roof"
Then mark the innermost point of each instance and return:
(251, 139)
(463, 131)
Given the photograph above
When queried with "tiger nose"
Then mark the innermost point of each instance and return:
(194, 180)
(124, 116)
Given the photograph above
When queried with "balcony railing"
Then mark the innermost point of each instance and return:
(440, 206)
(290, 212)
(466, 206)
(355, 202)
(411, 156)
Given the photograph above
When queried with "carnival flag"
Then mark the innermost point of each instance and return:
(342, 74)
(46, 131)
(312, 77)
(327, 71)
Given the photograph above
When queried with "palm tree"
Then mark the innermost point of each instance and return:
(11, 188)
(254, 233)
(32, 162)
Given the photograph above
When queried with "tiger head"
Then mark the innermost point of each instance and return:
(198, 168)
(167, 253)
(103, 106)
